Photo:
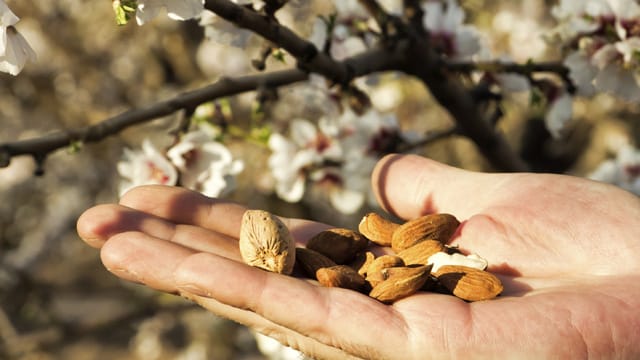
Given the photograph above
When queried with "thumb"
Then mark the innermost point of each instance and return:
(410, 186)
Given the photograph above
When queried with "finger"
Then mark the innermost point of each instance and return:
(288, 337)
(410, 186)
(102, 222)
(188, 207)
(337, 317)
(138, 257)
(184, 206)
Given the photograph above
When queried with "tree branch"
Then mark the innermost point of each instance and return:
(377, 12)
(41, 146)
(507, 67)
(304, 51)
(427, 65)
(365, 63)
(412, 55)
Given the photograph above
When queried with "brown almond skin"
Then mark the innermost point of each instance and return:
(468, 283)
(380, 263)
(362, 262)
(438, 227)
(401, 283)
(341, 276)
(420, 252)
(398, 271)
(311, 261)
(377, 229)
(339, 245)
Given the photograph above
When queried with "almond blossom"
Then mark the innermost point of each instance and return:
(308, 150)
(224, 32)
(336, 156)
(147, 166)
(623, 170)
(604, 41)
(559, 113)
(176, 9)
(449, 34)
(14, 49)
(205, 165)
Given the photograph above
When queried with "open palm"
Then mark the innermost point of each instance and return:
(566, 250)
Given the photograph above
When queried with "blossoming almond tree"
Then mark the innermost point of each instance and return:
(599, 37)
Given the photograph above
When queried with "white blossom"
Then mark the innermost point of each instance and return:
(145, 167)
(176, 9)
(224, 32)
(336, 156)
(622, 171)
(350, 9)
(445, 23)
(559, 113)
(344, 42)
(293, 159)
(205, 165)
(16, 51)
(7, 17)
(605, 42)
(289, 175)
(274, 350)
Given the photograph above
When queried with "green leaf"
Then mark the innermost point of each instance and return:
(124, 10)
(279, 55)
(74, 146)
(260, 134)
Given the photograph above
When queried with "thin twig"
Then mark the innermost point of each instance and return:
(378, 13)
(507, 67)
(304, 51)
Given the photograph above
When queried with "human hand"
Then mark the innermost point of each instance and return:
(566, 250)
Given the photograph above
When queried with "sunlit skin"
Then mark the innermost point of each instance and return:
(566, 249)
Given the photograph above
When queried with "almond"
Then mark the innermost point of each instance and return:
(438, 227)
(341, 276)
(400, 283)
(265, 242)
(468, 283)
(311, 261)
(339, 245)
(380, 263)
(362, 262)
(384, 274)
(420, 252)
(377, 229)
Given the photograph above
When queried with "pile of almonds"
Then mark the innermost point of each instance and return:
(339, 258)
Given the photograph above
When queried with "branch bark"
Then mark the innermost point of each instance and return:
(427, 65)
(40, 147)
(508, 67)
